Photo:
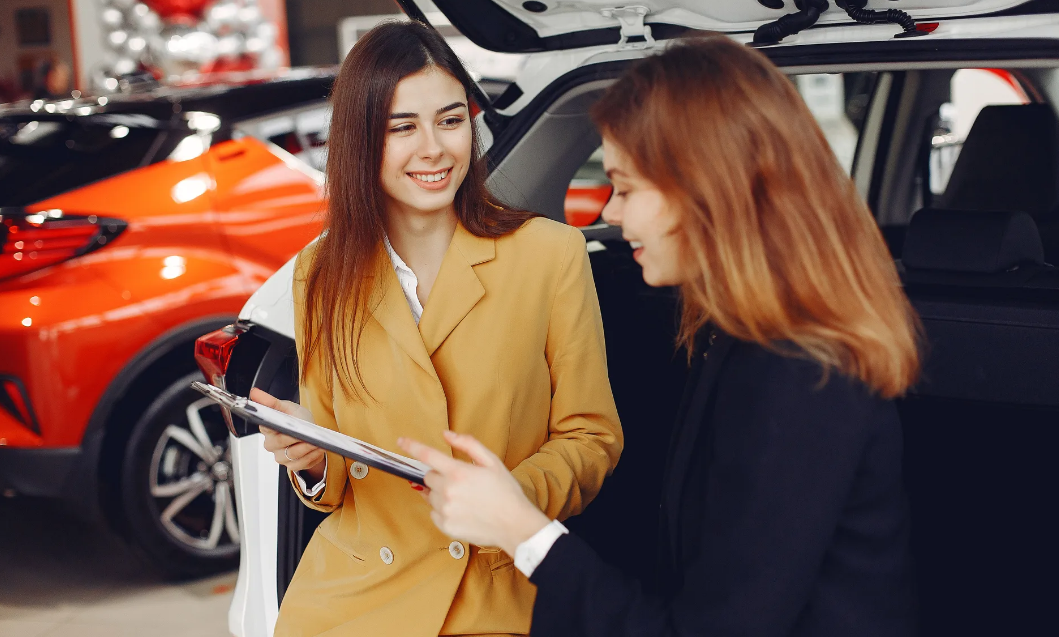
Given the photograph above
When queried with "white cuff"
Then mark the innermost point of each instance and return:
(317, 488)
(532, 552)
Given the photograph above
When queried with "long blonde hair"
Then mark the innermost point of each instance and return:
(783, 246)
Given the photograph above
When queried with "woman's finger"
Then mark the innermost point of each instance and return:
(298, 459)
(475, 450)
(263, 398)
(277, 441)
(298, 450)
(309, 460)
(433, 480)
(438, 461)
(435, 494)
(285, 406)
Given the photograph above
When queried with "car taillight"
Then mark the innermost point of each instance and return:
(33, 240)
(214, 350)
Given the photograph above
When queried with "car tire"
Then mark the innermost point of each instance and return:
(178, 485)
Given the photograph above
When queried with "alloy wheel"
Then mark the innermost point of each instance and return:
(192, 482)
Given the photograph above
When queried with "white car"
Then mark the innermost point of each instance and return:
(953, 108)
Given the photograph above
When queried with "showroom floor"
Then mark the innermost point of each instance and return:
(60, 576)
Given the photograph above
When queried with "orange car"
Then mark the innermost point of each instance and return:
(129, 227)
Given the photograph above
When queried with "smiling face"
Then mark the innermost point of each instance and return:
(428, 143)
(649, 222)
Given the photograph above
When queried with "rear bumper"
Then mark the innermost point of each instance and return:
(39, 472)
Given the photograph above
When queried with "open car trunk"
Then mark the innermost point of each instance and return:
(518, 26)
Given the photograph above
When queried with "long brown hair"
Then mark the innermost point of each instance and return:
(783, 247)
(342, 274)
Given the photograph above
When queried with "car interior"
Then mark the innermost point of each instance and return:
(973, 225)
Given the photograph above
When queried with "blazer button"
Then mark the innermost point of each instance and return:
(358, 470)
(456, 550)
(386, 554)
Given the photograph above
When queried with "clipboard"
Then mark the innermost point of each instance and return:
(346, 446)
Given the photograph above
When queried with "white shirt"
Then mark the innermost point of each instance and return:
(409, 282)
(529, 555)
(407, 279)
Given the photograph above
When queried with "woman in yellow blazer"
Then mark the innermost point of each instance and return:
(426, 307)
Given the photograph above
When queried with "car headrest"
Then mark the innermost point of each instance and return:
(971, 241)
(1009, 161)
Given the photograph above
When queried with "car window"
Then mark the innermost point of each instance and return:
(301, 132)
(839, 101)
(44, 156)
(970, 91)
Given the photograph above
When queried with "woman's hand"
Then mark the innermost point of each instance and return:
(290, 452)
(480, 503)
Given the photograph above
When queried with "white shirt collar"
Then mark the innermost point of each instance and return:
(407, 278)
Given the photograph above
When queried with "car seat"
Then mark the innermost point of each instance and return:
(971, 248)
(979, 427)
(1010, 162)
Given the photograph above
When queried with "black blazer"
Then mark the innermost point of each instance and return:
(783, 513)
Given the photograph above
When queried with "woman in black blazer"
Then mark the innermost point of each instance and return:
(782, 508)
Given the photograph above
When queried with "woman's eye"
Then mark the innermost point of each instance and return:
(452, 121)
(615, 194)
(404, 128)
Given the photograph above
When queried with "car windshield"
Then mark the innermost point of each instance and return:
(45, 156)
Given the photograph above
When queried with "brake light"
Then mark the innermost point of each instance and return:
(214, 350)
(30, 241)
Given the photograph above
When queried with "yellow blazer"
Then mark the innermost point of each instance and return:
(509, 349)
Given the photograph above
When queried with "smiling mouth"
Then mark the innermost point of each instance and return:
(429, 178)
(635, 245)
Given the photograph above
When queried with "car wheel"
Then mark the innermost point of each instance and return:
(178, 484)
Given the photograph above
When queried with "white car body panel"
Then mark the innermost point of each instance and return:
(254, 605)
(272, 305)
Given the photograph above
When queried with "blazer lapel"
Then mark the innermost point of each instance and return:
(687, 430)
(457, 289)
(391, 310)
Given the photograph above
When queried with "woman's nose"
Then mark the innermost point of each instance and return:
(429, 146)
(612, 213)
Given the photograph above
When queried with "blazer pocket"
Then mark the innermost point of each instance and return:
(353, 554)
(503, 566)
(497, 560)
